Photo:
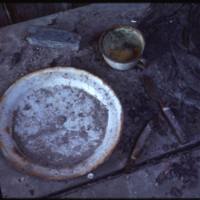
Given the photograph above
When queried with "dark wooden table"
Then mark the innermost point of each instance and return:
(11, 13)
(172, 51)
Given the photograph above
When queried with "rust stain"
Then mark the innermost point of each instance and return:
(1, 98)
(17, 152)
(7, 130)
(125, 54)
(1, 145)
(136, 52)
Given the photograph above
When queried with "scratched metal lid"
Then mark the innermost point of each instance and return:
(59, 123)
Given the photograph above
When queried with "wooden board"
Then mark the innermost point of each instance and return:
(25, 11)
(3, 16)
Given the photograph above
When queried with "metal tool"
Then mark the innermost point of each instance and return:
(152, 91)
(138, 147)
(141, 141)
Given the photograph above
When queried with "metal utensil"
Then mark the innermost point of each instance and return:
(122, 47)
(152, 91)
(138, 147)
(141, 141)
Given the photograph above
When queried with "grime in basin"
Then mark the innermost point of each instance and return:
(59, 126)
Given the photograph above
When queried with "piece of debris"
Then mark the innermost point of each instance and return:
(53, 38)
(133, 21)
(90, 176)
(22, 179)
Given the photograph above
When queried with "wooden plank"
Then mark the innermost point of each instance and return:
(75, 5)
(25, 11)
(3, 16)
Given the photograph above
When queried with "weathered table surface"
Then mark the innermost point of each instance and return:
(172, 52)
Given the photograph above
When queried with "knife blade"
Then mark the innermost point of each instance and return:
(139, 145)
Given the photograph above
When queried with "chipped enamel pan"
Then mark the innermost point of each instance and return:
(59, 123)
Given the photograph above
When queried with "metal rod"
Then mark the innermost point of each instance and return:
(7, 13)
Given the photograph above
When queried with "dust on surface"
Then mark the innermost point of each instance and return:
(57, 126)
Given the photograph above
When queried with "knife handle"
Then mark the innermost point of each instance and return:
(169, 115)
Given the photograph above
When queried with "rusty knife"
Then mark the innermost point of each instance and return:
(152, 91)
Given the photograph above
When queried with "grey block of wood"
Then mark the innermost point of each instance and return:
(53, 38)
